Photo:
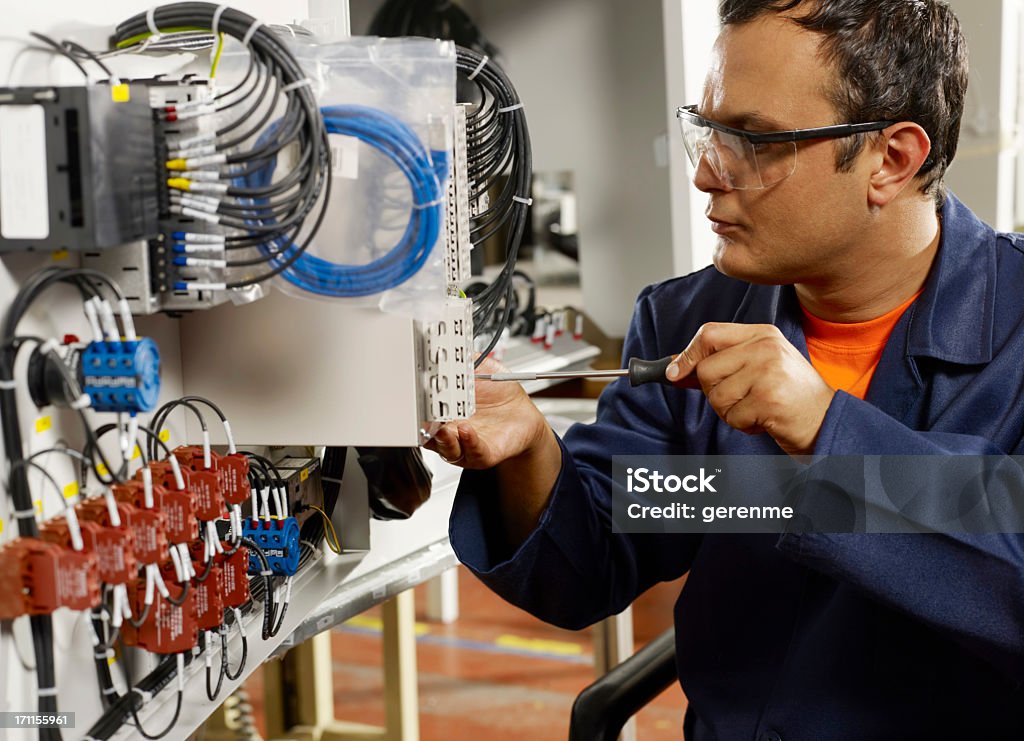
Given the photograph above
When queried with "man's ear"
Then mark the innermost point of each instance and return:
(900, 153)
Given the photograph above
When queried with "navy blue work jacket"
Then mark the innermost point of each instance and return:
(815, 636)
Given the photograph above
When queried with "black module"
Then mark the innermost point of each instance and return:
(91, 151)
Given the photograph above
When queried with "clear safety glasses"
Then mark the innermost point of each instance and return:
(745, 160)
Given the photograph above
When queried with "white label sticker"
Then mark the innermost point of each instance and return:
(344, 156)
(24, 204)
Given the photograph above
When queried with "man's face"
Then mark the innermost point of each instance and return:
(766, 76)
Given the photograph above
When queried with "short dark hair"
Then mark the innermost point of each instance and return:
(900, 60)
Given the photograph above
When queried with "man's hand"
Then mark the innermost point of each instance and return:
(509, 434)
(756, 381)
(506, 425)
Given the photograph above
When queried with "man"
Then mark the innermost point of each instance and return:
(854, 309)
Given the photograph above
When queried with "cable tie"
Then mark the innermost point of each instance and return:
(146, 696)
(8, 385)
(304, 82)
(82, 402)
(106, 691)
(251, 32)
(24, 514)
(215, 26)
(266, 572)
(510, 108)
(47, 692)
(432, 204)
(49, 346)
(329, 479)
(151, 21)
(479, 67)
(524, 201)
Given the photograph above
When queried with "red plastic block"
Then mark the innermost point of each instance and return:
(234, 474)
(37, 577)
(168, 629)
(148, 527)
(209, 598)
(203, 485)
(234, 572)
(175, 504)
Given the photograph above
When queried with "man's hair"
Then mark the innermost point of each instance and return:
(899, 60)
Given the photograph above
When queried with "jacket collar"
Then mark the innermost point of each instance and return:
(951, 321)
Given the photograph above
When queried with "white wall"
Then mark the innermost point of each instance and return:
(591, 76)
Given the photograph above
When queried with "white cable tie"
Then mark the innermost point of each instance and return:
(146, 697)
(150, 586)
(49, 346)
(524, 201)
(161, 586)
(432, 204)
(147, 487)
(82, 402)
(231, 438)
(47, 692)
(479, 67)
(151, 21)
(126, 319)
(304, 82)
(112, 511)
(197, 238)
(251, 32)
(510, 108)
(201, 215)
(197, 176)
(24, 514)
(201, 187)
(176, 469)
(266, 572)
(107, 691)
(8, 385)
(197, 163)
(215, 26)
(94, 320)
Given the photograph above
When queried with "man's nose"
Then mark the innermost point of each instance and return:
(709, 174)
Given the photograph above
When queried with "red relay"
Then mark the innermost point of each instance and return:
(234, 476)
(209, 598)
(147, 527)
(176, 504)
(115, 559)
(234, 573)
(169, 629)
(204, 486)
(37, 577)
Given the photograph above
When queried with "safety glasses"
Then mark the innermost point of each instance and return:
(746, 160)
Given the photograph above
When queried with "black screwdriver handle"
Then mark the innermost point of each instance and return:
(649, 371)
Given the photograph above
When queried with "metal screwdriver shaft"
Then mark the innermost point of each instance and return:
(639, 372)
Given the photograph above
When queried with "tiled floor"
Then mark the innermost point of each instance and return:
(496, 671)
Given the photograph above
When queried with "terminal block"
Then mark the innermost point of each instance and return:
(176, 506)
(121, 376)
(234, 478)
(205, 482)
(446, 363)
(37, 577)
(279, 540)
(458, 244)
(234, 577)
(115, 560)
(169, 628)
(209, 598)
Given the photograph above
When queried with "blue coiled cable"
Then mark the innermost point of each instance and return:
(426, 170)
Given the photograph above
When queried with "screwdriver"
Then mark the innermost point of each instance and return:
(639, 372)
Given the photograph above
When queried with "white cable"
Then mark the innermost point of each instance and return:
(179, 481)
(74, 529)
(160, 585)
(181, 672)
(82, 402)
(254, 504)
(147, 488)
(125, 604)
(176, 558)
(112, 511)
(126, 319)
(197, 214)
(93, 317)
(230, 437)
(264, 498)
(108, 322)
(150, 586)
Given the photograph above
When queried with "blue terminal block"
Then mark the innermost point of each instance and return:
(121, 376)
(279, 539)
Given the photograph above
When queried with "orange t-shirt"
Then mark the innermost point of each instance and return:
(846, 355)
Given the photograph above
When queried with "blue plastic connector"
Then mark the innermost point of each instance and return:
(122, 376)
(279, 539)
(181, 261)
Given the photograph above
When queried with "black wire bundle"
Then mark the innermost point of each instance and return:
(498, 145)
(88, 283)
(271, 215)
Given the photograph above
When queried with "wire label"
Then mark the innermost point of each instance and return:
(344, 156)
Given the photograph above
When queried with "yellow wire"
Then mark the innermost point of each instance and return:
(332, 540)
(216, 56)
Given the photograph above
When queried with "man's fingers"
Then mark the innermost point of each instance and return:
(710, 339)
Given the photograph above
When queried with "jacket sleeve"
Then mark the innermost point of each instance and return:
(573, 570)
(969, 586)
